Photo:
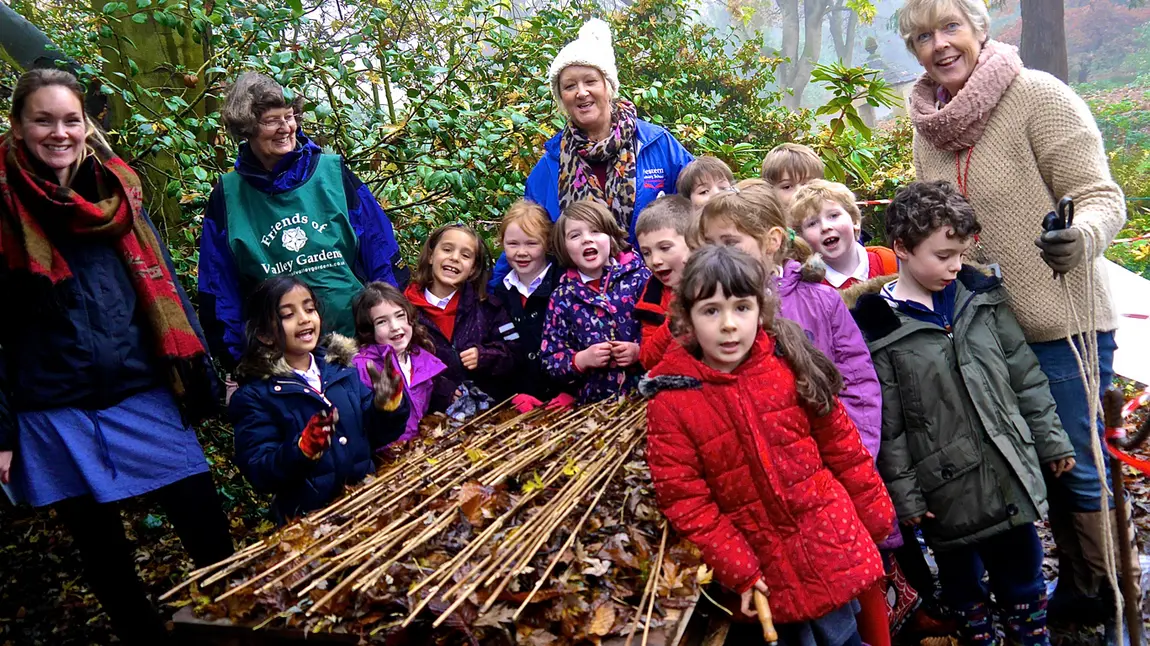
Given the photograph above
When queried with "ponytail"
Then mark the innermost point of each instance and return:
(817, 380)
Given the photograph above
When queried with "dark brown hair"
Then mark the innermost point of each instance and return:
(249, 98)
(738, 275)
(598, 217)
(37, 79)
(700, 170)
(422, 275)
(921, 208)
(378, 292)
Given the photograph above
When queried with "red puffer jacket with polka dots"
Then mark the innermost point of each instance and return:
(761, 486)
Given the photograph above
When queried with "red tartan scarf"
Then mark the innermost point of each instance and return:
(117, 218)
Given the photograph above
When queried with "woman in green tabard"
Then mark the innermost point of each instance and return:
(287, 209)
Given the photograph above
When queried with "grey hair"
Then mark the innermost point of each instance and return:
(916, 15)
(249, 98)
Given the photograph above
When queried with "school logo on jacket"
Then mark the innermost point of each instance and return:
(654, 178)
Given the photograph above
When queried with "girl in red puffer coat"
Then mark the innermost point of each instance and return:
(756, 462)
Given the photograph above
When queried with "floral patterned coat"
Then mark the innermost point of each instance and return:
(579, 317)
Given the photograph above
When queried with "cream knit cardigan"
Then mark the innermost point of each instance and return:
(1040, 144)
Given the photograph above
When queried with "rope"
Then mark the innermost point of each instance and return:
(1090, 373)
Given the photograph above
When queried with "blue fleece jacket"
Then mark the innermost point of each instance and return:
(221, 293)
(659, 159)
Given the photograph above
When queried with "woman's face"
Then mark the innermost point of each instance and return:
(586, 98)
(275, 136)
(53, 129)
(948, 50)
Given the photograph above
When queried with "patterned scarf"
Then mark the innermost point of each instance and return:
(116, 218)
(959, 123)
(577, 152)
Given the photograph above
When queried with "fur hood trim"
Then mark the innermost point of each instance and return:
(651, 386)
(852, 294)
(266, 362)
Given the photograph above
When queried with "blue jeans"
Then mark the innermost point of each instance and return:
(1079, 489)
(1013, 559)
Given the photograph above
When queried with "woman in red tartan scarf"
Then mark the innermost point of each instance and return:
(104, 367)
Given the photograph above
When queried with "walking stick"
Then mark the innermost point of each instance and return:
(764, 610)
(1112, 402)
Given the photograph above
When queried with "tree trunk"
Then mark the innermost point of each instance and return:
(790, 47)
(1044, 37)
(844, 38)
(814, 13)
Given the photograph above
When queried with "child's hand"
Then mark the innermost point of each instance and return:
(562, 401)
(386, 387)
(470, 358)
(317, 434)
(1059, 467)
(746, 601)
(624, 353)
(917, 520)
(5, 466)
(596, 356)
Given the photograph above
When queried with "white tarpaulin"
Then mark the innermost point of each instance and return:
(1132, 300)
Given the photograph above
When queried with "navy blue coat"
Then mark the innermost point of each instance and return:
(221, 294)
(529, 376)
(271, 409)
(82, 343)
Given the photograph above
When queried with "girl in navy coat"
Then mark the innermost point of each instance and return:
(305, 424)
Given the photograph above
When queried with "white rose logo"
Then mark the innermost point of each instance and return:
(294, 239)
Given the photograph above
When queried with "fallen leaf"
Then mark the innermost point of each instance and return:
(602, 620)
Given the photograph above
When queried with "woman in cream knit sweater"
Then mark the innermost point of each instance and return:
(1016, 140)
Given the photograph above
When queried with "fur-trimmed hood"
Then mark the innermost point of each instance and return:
(267, 362)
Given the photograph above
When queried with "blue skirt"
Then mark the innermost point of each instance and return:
(137, 446)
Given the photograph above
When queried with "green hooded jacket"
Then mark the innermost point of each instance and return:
(968, 420)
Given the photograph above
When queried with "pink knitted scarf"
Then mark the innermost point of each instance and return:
(959, 124)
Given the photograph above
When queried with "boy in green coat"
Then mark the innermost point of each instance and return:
(967, 414)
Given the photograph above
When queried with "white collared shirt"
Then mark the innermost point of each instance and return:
(861, 272)
(311, 375)
(405, 367)
(511, 281)
(441, 303)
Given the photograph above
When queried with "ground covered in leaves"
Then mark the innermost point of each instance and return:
(44, 600)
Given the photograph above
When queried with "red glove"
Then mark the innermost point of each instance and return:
(561, 402)
(525, 403)
(316, 435)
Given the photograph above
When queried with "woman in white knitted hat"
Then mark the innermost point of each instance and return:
(605, 152)
(1014, 141)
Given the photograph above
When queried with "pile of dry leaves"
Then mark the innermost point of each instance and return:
(527, 529)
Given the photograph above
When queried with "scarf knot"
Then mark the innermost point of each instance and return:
(577, 154)
(959, 123)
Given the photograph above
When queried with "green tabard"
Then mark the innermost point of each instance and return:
(304, 232)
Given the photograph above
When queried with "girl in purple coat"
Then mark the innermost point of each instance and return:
(751, 218)
(471, 332)
(387, 330)
(590, 337)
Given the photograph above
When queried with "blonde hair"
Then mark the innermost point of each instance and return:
(700, 170)
(530, 217)
(35, 80)
(598, 217)
(917, 15)
(809, 200)
(796, 162)
(753, 209)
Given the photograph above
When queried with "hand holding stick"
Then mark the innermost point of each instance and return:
(764, 610)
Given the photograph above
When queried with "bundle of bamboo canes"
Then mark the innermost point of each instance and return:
(467, 519)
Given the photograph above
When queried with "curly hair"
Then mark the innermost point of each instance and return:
(249, 98)
(921, 208)
(378, 292)
(738, 275)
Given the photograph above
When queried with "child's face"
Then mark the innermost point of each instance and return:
(707, 189)
(724, 232)
(831, 233)
(665, 251)
(453, 260)
(589, 249)
(300, 321)
(392, 327)
(525, 253)
(725, 328)
(785, 190)
(935, 262)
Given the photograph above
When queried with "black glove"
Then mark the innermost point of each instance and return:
(1062, 249)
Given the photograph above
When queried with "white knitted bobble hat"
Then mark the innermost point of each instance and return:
(593, 49)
